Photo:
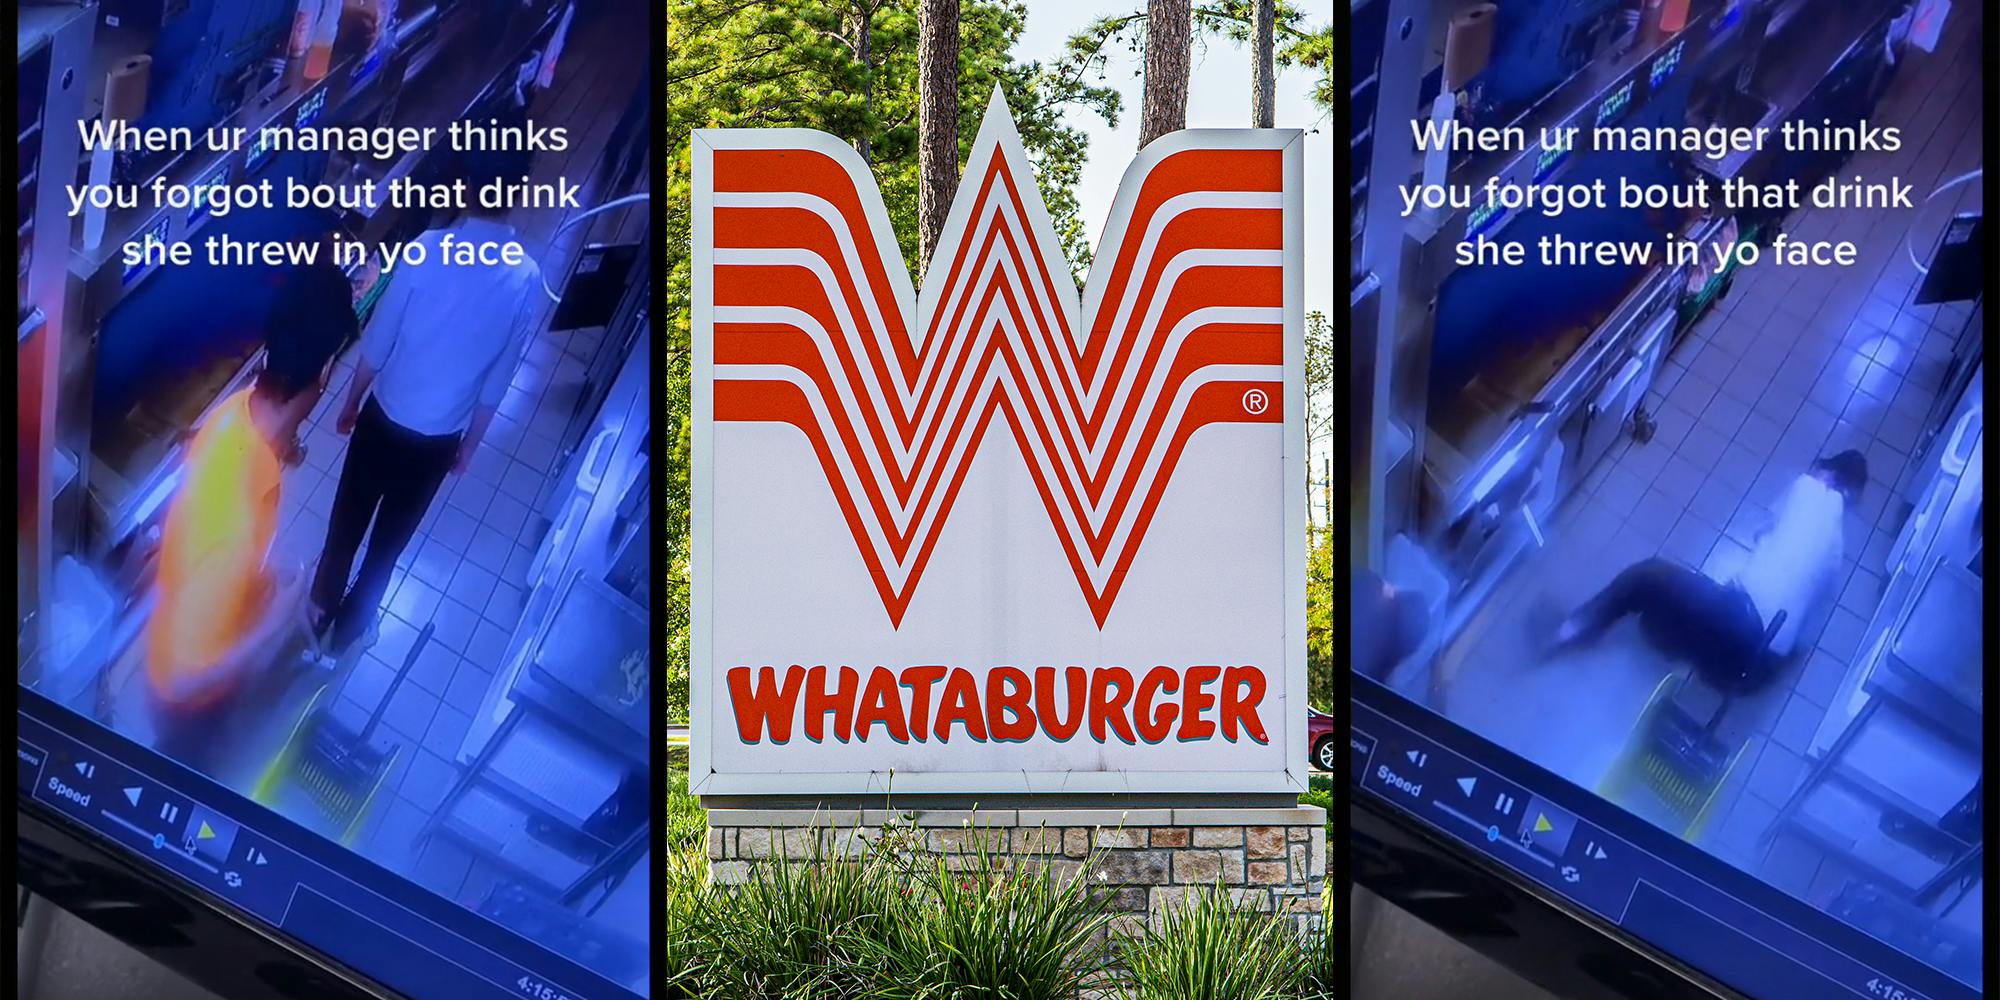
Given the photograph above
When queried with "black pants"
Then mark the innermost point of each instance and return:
(1712, 626)
(390, 477)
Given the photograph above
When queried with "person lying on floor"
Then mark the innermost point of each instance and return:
(1719, 626)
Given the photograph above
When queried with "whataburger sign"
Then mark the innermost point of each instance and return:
(993, 536)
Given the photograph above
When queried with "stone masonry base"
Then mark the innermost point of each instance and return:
(1273, 859)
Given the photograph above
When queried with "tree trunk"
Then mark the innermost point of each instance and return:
(1168, 25)
(1264, 71)
(937, 120)
(863, 53)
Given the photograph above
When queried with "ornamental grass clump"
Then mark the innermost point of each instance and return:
(903, 920)
(686, 821)
(684, 944)
(1317, 953)
(1208, 947)
(979, 926)
(800, 928)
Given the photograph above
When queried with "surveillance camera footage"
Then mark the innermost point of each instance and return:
(364, 546)
(1709, 545)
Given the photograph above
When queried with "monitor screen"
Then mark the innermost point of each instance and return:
(1796, 815)
(1668, 586)
(440, 784)
(451, 807)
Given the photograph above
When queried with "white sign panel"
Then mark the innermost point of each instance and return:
(998, 535)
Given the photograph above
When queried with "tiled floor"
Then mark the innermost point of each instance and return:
(466, 570)
(1792, 365)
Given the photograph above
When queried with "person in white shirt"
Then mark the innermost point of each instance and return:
(434, 363)
(1734, 630)
(1794, 565)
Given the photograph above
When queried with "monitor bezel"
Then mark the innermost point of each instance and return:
(1555, 942)
(222, 924)
(1538, 935)
(99, 882)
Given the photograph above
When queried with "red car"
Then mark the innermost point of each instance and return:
(1320, 737)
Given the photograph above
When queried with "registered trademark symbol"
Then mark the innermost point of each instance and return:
(1255, 401)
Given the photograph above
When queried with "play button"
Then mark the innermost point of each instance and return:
(1466, 785)
(132, 795)
(1546, 828)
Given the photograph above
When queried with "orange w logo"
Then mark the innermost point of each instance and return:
(809, 319)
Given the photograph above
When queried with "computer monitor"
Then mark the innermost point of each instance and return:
(453, 808)
(1815, 831)
(458, 810)
(456, 803)
(1819, 837)
(1670, 680)
(214, 876)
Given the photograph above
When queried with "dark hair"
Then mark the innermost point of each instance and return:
(283, 383)
(311, 319)
(1846, 472)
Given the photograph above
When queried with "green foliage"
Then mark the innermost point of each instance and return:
(900, 922)
(688, 902)
(978, 926)
(849, 68)
(1296, 42)
(1322, 790)
(1323, 655)
(1321, 388)
(1322, 360)
(1319, 958)
(1210, 948)
(897, 924)
(799, 929)
(801, 63)
(686, 823)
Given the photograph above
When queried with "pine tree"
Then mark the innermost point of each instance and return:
(937, 121)
(1169, 23)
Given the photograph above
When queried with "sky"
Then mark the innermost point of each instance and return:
(1218, 97)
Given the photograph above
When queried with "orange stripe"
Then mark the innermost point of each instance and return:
(932, 423)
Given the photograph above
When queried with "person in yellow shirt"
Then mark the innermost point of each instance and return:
(222, 610)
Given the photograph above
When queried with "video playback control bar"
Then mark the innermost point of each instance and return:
(287, 889)
(152, 820)
(1746, 945)
(1522, 830)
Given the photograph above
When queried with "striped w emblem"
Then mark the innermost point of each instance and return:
(807, 316)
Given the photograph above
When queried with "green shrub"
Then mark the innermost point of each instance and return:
(980, 927)
(687, 822)
(905, 923)
(1320, 792)
(1209, 948)
(683, 944)
(1317, 954)
(800, 929)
